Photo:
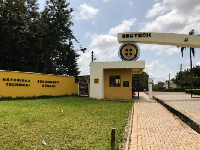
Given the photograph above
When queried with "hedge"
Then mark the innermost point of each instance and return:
(194, 91)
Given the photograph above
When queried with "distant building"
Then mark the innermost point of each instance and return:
(171, 85)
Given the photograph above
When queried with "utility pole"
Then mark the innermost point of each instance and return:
(181, 67)
(93, 57)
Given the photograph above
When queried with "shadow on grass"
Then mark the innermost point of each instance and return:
(34, 97)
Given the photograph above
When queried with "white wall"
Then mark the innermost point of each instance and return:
(96, 72)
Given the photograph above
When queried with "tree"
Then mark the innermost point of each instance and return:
(182, 78)
(13, 29)
(60, 39)
(143, 81)
(196, 76)
(159, 86)
(36, 41)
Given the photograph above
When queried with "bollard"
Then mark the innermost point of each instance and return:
(113, 139)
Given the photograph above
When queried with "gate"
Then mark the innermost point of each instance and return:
(135, 86)
(83, 85)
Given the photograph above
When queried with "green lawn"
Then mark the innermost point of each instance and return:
(70, 123)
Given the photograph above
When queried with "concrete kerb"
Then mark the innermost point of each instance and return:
(194, 125)
(129, 130)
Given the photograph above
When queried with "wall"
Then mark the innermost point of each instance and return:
(96, 72)
(24, 84)
(118, 92)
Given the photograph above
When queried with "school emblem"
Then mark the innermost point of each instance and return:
(129, 52)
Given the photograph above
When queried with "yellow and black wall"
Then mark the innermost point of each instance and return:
(23, 84)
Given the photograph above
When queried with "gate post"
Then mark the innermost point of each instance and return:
(150, 82)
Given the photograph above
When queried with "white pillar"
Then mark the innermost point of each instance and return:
(150, 82)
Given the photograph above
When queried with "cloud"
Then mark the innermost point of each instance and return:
(173, 16)
(160, 49)
(84, 62)
(104, 46)
(123, 27)
(86, 12)
(106, 1)
(155, 65)
(183, 6)
(88, 34)
(131, 3)
(157, 9)
(169, 22)
(157, 71)
(198, 63)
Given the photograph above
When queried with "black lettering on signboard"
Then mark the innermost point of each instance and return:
(127, 35)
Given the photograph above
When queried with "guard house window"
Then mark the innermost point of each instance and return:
(114, 81)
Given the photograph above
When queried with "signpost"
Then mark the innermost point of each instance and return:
(182, 40)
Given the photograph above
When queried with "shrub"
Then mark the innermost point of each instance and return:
(194, 91)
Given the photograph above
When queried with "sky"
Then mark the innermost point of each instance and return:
(97, 22)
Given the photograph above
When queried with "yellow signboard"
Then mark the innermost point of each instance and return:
(96, 81)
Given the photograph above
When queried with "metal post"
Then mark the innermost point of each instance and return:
(138, 86)
(113, 139)
(169, 82)
(191, 83)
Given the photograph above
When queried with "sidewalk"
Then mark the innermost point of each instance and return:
(154, 127)
(182, 102)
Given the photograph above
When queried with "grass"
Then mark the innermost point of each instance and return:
(68, 123)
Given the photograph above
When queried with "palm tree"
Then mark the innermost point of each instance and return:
(192, 51)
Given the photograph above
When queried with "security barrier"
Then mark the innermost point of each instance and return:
(15, 84)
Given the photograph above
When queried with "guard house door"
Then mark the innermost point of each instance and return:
(135, 86)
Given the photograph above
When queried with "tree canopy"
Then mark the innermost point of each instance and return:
(143, 81)
(37, 41)
(183, 78)
(159, 86)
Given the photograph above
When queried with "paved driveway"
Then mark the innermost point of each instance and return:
(182, 102)
(154, 127)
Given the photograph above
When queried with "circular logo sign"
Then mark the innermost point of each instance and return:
(129, 51)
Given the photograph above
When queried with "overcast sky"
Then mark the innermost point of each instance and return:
(97, 22)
